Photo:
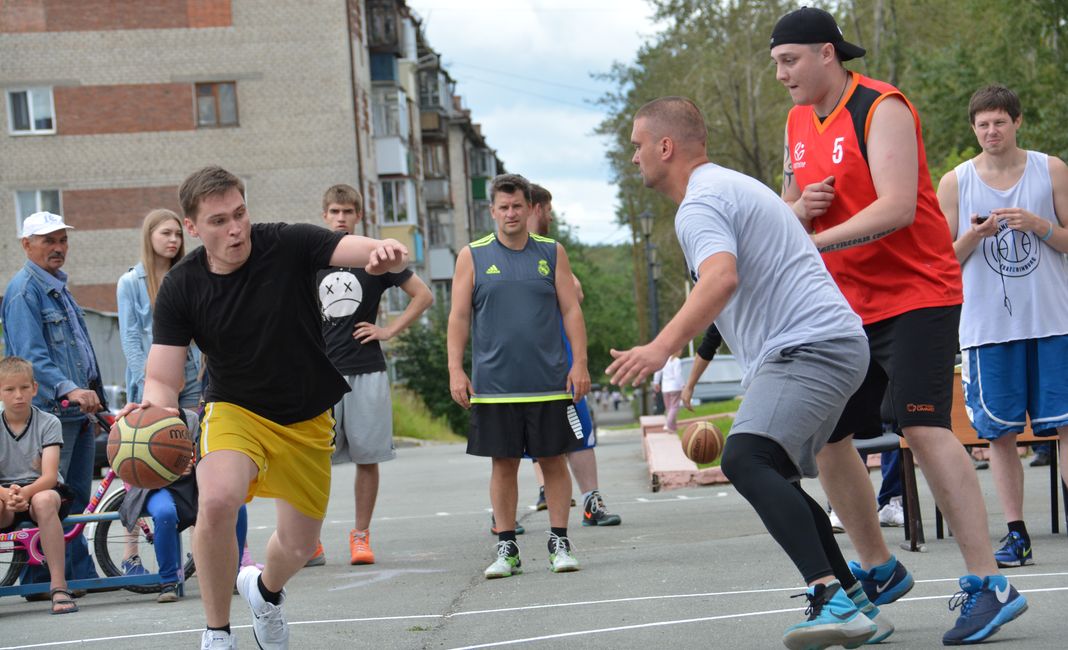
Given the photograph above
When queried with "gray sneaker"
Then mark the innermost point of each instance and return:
(560, 558)
(268, 622)
(217, 640)
(507, 562)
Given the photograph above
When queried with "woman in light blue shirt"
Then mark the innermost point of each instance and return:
(161, 248)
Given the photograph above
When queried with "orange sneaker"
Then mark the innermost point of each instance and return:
(360, 547)
(319, 559)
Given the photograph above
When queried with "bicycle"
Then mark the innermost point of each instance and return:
(22, 547)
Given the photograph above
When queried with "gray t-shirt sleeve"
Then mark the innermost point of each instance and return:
(704, 227)
(51, 431)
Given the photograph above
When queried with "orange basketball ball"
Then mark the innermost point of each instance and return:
(702, 442)
(150, 448)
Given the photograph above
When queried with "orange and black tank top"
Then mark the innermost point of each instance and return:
(910, 269)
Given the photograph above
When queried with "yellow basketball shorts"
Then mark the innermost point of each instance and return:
(293, 459)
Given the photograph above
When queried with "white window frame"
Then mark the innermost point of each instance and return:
(33, 130)
(36, 207)
(402, 184)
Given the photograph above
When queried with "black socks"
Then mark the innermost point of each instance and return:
(273, 597)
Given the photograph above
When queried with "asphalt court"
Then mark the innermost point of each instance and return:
(688, 568)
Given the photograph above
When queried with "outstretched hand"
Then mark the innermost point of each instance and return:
(635, 364)
(390, 256)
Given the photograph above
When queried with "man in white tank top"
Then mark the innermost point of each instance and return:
(1005, 209)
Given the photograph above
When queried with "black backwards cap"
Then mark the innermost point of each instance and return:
(809, 25)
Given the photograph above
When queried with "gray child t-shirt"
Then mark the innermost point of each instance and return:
(785, 295)
(20, 456)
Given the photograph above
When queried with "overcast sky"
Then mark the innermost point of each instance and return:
(523, 68)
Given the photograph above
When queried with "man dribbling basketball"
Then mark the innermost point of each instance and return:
(244, 298)
(802, 349)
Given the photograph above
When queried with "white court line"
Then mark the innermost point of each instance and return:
(506, 610)
(704, 619)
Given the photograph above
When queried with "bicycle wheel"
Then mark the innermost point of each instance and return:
(113, 544)
(12, 561)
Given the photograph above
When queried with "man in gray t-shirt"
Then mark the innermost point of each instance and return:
(802, 350)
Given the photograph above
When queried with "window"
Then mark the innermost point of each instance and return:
(389, 112)
(434, 164)
(482, 162)
(440, 228)
(216, 104)
(29, 201)
(395, 205)
(30, 111)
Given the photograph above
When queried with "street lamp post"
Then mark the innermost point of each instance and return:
(652, 274)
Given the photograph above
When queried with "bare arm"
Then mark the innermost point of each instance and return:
(578, 377)
(698, 368)
(894, 165)
(718, 279)
(463, 284)
(49, 474)
(164, 378)
(421, 299)
(578, 289)
(374, 255)
(949, 202)
(791, 193)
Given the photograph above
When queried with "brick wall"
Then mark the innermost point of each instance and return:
(21, 16)
(133, 108)
(95, 296)
(116, 208)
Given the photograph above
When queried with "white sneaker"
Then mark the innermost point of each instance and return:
(218, 640)
(507, 562)
(836, 523)
(268, 622)
(560, 558)
(892, 515)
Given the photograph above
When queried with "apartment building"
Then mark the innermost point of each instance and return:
(107, 106)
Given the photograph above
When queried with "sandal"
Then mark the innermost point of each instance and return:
(67, 603)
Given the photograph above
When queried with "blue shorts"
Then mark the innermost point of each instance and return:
(1005, 383)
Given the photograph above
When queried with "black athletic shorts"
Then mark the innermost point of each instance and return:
(66, 497)
(536, 429)
(912, 358)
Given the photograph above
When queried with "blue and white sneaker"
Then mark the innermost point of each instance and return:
(985, 605)
(1015, 552)
(885, 583)
(833, 619)
(884, 626)
(132, 566)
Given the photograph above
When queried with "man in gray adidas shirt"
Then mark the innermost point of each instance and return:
(509, 293)
(801, 347)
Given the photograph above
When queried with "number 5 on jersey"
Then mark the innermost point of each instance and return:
(836, 153)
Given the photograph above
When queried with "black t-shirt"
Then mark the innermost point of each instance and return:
(258, 326)
(346, 297)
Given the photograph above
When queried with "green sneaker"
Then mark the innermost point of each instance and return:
(507, 562)
(560, 558)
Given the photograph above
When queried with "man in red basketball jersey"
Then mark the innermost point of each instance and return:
(855, 174)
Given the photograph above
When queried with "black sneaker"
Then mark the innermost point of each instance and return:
(595, 514)
(1040, 460)
(540, 504)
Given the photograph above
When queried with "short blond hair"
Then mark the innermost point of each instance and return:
(12, 366)
(342, 194)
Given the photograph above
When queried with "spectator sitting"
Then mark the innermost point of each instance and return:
(31, 487)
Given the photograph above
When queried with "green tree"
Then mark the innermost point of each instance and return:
(422, 363)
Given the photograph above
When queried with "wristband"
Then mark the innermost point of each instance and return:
(1048, 234)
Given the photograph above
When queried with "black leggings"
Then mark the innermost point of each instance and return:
(759, 468)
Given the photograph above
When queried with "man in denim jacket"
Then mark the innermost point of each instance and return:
(44, 325)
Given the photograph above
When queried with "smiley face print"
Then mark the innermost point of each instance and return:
(340, 294)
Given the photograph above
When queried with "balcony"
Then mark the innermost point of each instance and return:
(441, 263)
(436, 191)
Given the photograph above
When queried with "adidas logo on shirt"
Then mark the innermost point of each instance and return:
(493, 270)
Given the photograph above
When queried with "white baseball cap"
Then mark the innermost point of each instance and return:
(42, 223)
